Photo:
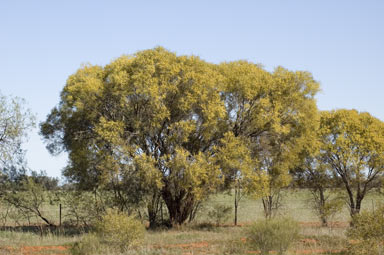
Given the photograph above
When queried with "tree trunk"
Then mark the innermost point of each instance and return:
(356, 209)
(194, 211)
(153, 209)
(323, 218)
(235, 214)
(44, 219)
(352, 205)
(179, 207)
(152, 218)
(267, 204)
(237, 200)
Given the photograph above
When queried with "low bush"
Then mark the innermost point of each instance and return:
(219, 214)
(327, 209)
(115, 232)
(367, 233)
(89, 245)
(85, 208)
(273, 235)
(117, 229)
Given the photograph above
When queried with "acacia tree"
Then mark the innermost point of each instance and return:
(316, 176)
(238, 167)
(276, 114)
(155, 114)
(353, 149)
(29, 196)
(15, 120)
(154, 121)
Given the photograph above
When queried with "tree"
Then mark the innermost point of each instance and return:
(28, 195)
(15, 120)
(353, 149)
(154, 112)
(158, 119)
(276, 114)
(316, 176)
(234, 159)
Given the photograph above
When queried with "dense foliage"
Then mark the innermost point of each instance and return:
(119, 230)
(154, 123)
(152, 136)
(352, 147)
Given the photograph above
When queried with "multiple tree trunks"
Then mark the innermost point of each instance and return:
(184, 128)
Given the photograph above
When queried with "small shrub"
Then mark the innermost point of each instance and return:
(84, 208)
(219, 214)
(234, 247)
(204, 226)
(367, 231)
(328, 208)
(89, 245)
(117, 229)
(273, 235)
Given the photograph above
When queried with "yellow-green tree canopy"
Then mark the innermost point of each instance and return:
(151, 109)
(275, 113)
(158, 120)
(353, 146)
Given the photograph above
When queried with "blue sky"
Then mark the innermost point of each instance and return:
(339, 42)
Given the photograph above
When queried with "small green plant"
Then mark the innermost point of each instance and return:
(367, 231)
(327, 208)
(83, 208)
(273, 235)
(219, 214)
(117, 229)
(89, 245)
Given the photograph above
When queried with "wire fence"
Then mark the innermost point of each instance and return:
(298, 206)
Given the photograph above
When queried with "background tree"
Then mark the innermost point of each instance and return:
(29, 194)
(316, 176)
(353, 149)
(15, 121)
(276, 114)
(241, 177)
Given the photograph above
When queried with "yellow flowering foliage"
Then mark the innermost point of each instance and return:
(237, 165)
(119, 230)
(353, 149)
(275, 113)
(180, 125)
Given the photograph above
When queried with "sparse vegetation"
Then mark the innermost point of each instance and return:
(273, 235)
(367, 231)
(219, 214)
(198, 236)
(155, 137)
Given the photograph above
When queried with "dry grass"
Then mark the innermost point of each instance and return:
(187, 240)
(200, 238)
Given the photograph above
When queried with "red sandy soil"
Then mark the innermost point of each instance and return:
(333, 224)
(57, 250)
(36, 250)
(308, 241)
(193, 248)
(317, 251)
(185, 245)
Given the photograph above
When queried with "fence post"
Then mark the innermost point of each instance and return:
(60, 215)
